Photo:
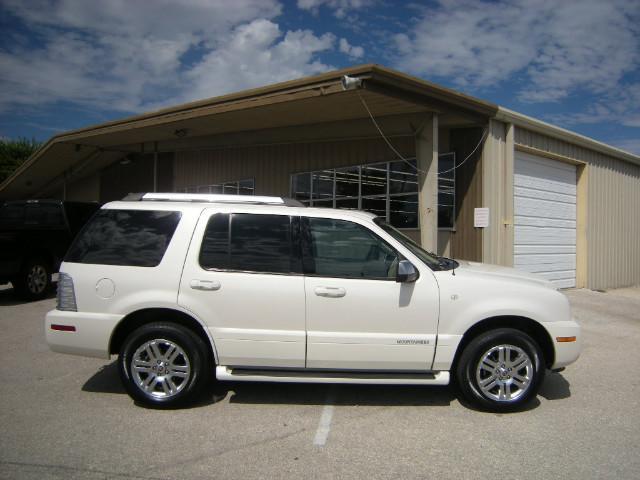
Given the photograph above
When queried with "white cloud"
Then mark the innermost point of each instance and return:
(619, 105)
(340, 7)
(350, 50)
(552, 48)
(256, 54)
(131, 56)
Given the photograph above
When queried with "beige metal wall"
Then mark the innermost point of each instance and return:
(119, 179)
(272, 165)
(497, 188)
(85, 190)
(612, 211)
(466, 241)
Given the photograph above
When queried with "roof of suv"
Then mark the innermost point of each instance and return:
(226, 203)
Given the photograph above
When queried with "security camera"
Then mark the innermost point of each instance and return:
(351, 83)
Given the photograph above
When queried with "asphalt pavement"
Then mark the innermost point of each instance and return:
(65, 417)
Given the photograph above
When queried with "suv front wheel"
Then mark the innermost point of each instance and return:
(164, 365)
(500, 370)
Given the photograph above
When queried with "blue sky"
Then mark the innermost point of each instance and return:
(70, 63)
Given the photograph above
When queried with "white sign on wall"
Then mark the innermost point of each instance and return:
(480, 217)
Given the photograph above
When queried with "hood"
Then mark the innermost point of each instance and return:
(503, 272)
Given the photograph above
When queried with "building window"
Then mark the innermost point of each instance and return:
(239, 187)
(446, 190)
(388, 189)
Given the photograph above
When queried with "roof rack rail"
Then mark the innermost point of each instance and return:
(212, 198)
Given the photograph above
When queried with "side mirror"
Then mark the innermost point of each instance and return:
(407, 273)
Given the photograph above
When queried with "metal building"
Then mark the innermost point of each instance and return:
(464, 177)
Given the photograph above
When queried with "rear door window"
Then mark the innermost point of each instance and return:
(137, 238)
(251, 243)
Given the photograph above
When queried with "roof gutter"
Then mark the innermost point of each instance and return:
(538, 126)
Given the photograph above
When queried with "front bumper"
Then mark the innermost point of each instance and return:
(91, 335)
(565, 352)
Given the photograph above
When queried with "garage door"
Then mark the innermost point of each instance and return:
(545, 218)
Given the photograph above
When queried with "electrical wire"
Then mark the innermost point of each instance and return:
(384, 137)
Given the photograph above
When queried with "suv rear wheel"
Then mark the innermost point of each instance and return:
(34, 280)
(500, 370)
(164, 365)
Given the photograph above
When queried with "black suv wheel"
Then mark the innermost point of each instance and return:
(500, 370)
(164, 365)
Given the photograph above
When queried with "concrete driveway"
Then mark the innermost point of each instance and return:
(68, 417)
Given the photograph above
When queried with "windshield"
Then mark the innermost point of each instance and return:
(431, 259)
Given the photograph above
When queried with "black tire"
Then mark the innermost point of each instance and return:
(192, 358)
(34, 280)
(505, 386)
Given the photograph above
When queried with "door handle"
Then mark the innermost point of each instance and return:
(205, 285)
(331, 292)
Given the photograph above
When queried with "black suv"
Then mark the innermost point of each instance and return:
(34, 236)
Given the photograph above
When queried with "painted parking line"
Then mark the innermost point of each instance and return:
(324, 425)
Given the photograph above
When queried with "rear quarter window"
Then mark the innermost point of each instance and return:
(136, 238)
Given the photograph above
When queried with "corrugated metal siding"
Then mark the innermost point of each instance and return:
(466, 241)
(613, 222)
(118, 180)
(272, 165)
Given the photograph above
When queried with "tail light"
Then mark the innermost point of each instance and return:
(66, 294)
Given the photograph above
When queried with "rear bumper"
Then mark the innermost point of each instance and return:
(566, 352)
(91, 336)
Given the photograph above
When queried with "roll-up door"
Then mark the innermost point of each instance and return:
(545, 218)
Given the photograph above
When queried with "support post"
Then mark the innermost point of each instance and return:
(427, 162)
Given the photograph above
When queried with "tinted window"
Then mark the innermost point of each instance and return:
(78, 214)
(258, 243)
(214, 252)
(338, 248)
(136, 238)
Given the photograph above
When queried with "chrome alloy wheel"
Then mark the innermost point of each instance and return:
(504, 373)
(37, 279)
(160, 368)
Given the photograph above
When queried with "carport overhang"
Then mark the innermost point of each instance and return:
(307, 109)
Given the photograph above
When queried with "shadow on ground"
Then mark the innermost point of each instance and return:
(338, 394)
(107, 380)
(555, 387)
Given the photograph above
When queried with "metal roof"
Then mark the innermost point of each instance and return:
(315, 100)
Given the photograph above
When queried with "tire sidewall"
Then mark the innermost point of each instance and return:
(192, 346)
(21, 284)
(466, 369)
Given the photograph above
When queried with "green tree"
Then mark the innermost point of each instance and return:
(13, 152)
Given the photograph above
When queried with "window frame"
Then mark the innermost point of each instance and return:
(387, 196)
(295, 260)
(306, 249)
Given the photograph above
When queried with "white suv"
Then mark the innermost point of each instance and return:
(263, 289)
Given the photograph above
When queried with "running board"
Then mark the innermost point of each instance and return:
(300, 376)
